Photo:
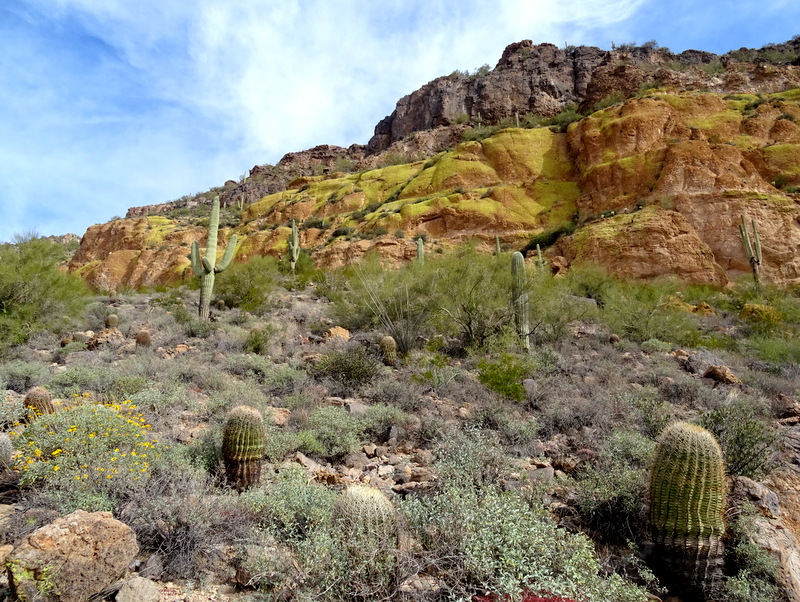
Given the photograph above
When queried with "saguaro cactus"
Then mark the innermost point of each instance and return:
(294, 246)
(243, 443)
(420, 251)
(541, 262)
(687, 501)
(751, 249)
(365, 521)
(519, 298)
(207, 267)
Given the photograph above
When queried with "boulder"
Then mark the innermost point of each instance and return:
(72, 558)
(138, 589)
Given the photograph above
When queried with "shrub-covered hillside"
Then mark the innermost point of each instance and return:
(399, 442)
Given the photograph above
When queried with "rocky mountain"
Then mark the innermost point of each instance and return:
(644, 160)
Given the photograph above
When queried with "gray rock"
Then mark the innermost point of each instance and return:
(138, 589)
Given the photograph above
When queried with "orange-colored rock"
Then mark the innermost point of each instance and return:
(644, 244)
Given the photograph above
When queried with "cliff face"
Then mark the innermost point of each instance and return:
(655, 185)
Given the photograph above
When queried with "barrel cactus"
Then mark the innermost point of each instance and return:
(144, 338)
(112, 321)
(366, 525)
(388, 348)
(39, 401)
(243, 443)
(687, 502)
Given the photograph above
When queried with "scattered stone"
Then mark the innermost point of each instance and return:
(355, 407)
(107, 336)
(542, 475)
(699, 362)
(370, 450)
(764, 498)
(72, 558)
(153, 567)
(721, 374)
(138, 589)
(337, 333)
(277, 416)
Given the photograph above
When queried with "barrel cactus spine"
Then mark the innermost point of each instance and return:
(243, 445)
(39, 401)
(294, 246)
(519, 298)
(206, 267)
(687, 502)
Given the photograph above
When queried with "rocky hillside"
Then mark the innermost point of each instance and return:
(645, 161)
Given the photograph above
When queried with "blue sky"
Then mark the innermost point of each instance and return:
(108, 104)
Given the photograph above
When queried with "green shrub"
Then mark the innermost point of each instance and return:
(505, 375)
(747, 440)
(487, 540)
(20, 376)
(349, 369)
(35, 294)
(336, 430)
(248, 285)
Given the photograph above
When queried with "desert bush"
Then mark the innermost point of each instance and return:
(748, 441)
(337, 431)
(432, 370)
(34, 293)
(19, 375)
(484, 540)
(347, 369)
(379, 419)
(505, 374)
(93, 454)
(248, 285)
(610, 493)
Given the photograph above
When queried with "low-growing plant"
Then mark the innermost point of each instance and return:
(90, 451)
(336, 430)
(347, 369)
(248, 285)
(505, 374)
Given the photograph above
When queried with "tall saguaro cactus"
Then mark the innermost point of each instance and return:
(207, 267)
(420, 251)
(294, 246)
(751, 249)
(519, 298)
(687, 502)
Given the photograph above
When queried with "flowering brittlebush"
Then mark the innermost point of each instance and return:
(88, 443)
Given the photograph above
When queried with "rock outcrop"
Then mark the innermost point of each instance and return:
(72, 558)
(653, 185)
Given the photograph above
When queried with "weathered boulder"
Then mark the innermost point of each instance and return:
(138, 589)
(72, 558)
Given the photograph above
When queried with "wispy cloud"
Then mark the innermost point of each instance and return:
(112, 103)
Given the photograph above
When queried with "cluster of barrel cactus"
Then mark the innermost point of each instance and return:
(243, 445)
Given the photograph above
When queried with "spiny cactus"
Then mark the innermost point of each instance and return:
(496, 245)
(541, 262)
(388, 348)
(143, 338)
(687, 501)
(752, 249)
(112, 321)
(420, 251)
(204, 267)
(40, 401)
(365, 521)
(519, 298)
(243, 443)
(294, 246)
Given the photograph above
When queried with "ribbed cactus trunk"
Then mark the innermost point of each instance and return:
(687, 502)
(206, 267)
(752, 249)
(243, 444)
(294, 246)
(420, 251)
(519, 298)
